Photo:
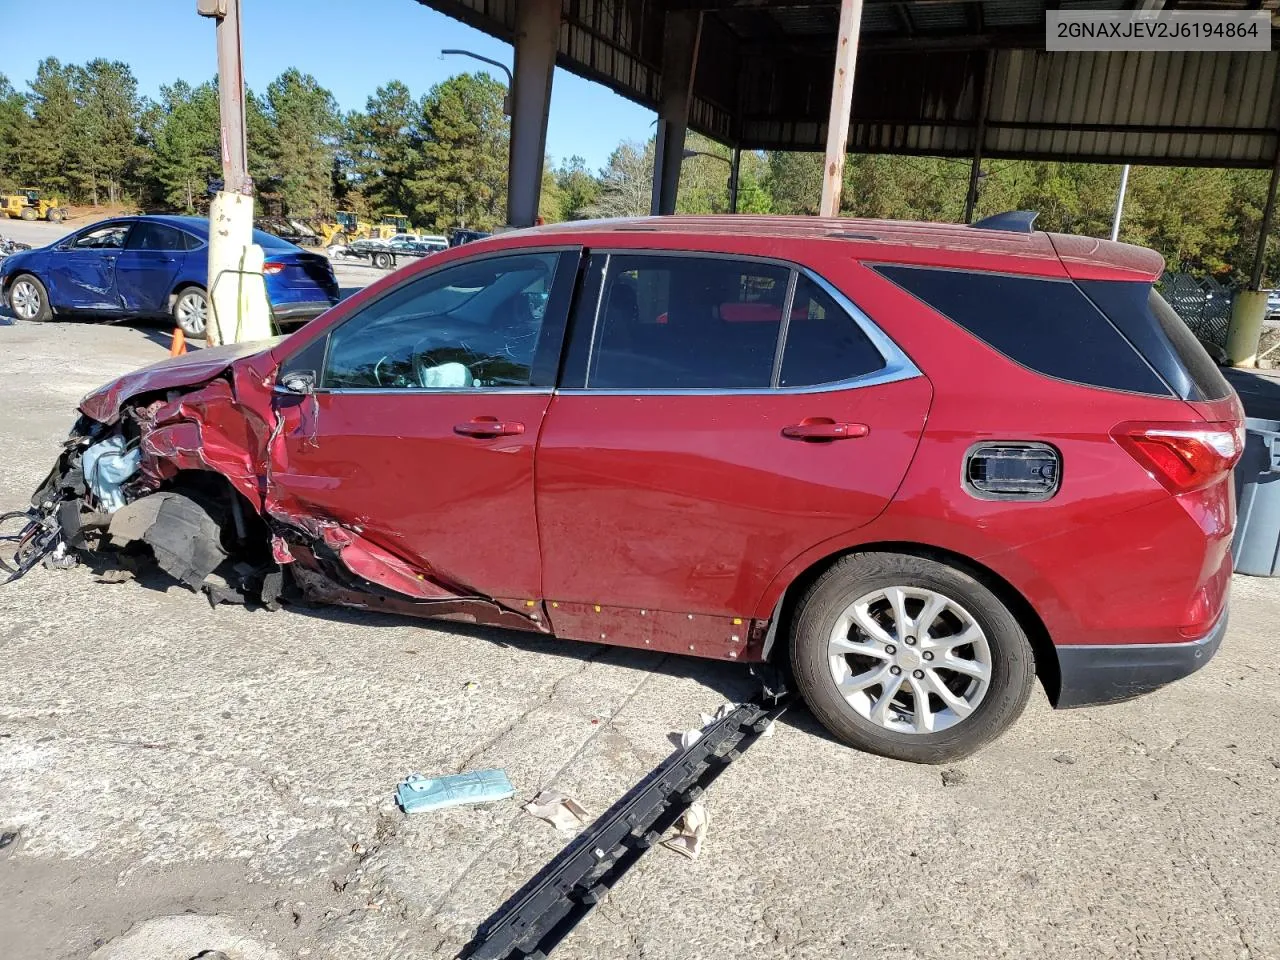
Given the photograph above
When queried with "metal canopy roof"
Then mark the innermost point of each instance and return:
(925, 67)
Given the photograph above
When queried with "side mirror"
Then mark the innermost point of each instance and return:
(299, 382)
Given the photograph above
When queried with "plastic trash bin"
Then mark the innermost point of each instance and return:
(1256, 547)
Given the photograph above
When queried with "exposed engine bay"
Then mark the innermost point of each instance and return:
(181, 477)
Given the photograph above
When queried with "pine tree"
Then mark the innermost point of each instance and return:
(462, 181)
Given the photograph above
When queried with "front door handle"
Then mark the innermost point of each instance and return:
(489, 427)
(821, 428)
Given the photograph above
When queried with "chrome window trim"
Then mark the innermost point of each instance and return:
(425, 391)
(898, 366)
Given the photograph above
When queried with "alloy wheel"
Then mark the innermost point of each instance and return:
(25, 299)
(909, 659)
(191, 312)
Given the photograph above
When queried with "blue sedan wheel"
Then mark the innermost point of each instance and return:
(191, 311)
(28, 299)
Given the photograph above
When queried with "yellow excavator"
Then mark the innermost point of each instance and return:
(26, 203)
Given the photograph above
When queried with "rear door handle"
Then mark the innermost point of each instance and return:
(489, 427)
(820, 428)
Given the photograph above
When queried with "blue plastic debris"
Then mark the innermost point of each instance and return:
(417, 793)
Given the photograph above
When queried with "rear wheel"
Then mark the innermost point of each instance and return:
(28, 213)
(909, 658)
(191, 311)
(382, 261)
(28, 299)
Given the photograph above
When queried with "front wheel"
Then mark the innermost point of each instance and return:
(909, 658)
(54, 215)
(191, 311)
(28, 299)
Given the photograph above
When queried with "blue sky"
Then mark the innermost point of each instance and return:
(349, 47)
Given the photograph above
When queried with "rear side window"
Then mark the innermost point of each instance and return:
(1049, 326)
(669, 322)
(156, 236)
(824, 344)
(1155, 328)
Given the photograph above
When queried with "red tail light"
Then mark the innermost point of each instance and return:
(1183, 456)
(272, 267)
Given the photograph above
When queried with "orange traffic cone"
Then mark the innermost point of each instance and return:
(179, 345)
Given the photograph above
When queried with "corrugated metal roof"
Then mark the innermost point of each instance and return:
(763, 79)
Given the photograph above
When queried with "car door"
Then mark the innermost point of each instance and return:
(687, 458)
(148, 266)
(82, 269)
(428, 402)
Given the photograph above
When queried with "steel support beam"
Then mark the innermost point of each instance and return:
(681, 33)
(841, 106)
(979, 136)
(536, 41)
(1268, 215)
(735, 169)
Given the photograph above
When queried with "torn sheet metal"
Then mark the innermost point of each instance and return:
(188, 371)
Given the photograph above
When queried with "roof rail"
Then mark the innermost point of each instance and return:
(1011, 221)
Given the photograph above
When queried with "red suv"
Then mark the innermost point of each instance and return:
(917, 464)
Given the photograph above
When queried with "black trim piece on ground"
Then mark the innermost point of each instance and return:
(544, 911)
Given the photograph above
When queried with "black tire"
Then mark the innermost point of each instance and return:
(26, 291)
(54, 215)
(29, 214)
(1012, 663)
(383, 261)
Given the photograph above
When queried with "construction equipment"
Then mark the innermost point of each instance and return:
(27, 204)
(391, 224)
(342, 229)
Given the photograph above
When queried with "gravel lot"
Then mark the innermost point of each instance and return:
(234, 770)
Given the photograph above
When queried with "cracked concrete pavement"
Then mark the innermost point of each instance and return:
(160, 759)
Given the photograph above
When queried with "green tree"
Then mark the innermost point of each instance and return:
(550, 202)
(794, 182)
(301, 141)
(54, 130)
(183, 133)
(105, 150)
(579, 188)
(384, 147)
(14, 134)
(463, 178)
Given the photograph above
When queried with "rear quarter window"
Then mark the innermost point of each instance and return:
(1047, 325)
(1155, 328)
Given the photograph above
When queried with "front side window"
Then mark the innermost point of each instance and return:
(469, 326)
(110, 237)
(672, 322)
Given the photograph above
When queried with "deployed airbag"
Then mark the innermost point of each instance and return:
(107, 465)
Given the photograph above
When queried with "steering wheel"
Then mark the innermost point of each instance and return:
(400, 380)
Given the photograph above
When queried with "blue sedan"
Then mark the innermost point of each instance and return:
(154, 267)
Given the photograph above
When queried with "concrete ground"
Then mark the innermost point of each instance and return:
(233, 770)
